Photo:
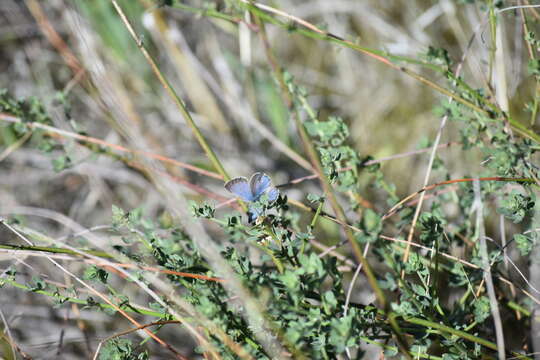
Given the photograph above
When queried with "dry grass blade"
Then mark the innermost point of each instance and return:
(126, 332)
(17, 144)
(120, 121)
(155, 281)
(120, 148)
(100, 295)
(478, 207)
(430, 166)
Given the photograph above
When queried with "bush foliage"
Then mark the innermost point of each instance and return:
(351, 260)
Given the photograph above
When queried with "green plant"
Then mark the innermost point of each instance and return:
(284, 285)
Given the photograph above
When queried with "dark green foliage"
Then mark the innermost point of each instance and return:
(302, 293)
(29, 110)
(121, 349)
(37, 284)
(525, 243)
(305, 301)
(161, 3)
(481, 309)
(515, 206)
(432, 228)
(204, 211)
(95, 273)
(61, 163)
(371, 225)
(331, 136)
(439, 56)
(533, 66)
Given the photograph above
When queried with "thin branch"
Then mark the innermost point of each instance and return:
(400, 204)
(478, 207)
(120, 148)
(155, 281)
(17, 144)
(430, 165)
(172, 93)
(99, 294)
(129, 331)
(350, 289)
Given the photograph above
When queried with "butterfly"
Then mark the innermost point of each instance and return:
(251, 191)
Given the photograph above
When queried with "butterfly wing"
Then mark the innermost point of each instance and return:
(253, 214)
(259, 183)
(240, 187)
(272, 194)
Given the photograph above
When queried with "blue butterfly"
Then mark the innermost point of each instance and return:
(251, 191)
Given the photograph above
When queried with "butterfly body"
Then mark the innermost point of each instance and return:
(251, 191)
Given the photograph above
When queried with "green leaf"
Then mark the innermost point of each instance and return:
(481, 309)
(340, 333)
(516, 206)
(371, 226)
(533, 67)
(432, 228)
(312, 264)
(119, 217)
(203, 211)
(119, 349)
(414, 263)
(95, 273)
(291, 280)
(329, 302)
(371, 221)
(525, 243)
(37, 284)
(438, 56)
(312, 198)
(62, 162)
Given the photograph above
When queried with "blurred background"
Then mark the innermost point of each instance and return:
(79, 60)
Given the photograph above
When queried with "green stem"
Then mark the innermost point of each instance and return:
(131, 308)
(513, 305)
(493, 45)
(316, 216)
(389, 60)
(340, 215)
(53, 250)
(534, 110)
(458, 333)
(177, 100)
(380, 55)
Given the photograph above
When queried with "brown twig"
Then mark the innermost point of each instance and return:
(120, 148)
(100, 295)
(129, 331)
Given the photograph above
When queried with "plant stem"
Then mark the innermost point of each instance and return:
(309, 30)
(458, 333)
(340, 215)
(55, 295)
(177, 100)
(53, 250)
